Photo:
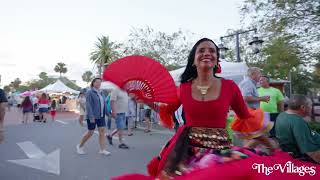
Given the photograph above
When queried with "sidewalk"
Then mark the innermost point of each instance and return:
(14, 116)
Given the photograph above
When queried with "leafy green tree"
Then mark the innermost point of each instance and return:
(23, 88)
(317, 65)
(282, 60)
(300, 17)
(301, 82)
(316, 73)
(87, 76)
(104, 53)
(168, 49)
(297, 19)
(60, 68)
(280, 57)
(43, 76)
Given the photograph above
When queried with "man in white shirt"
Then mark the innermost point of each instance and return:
(119, 105)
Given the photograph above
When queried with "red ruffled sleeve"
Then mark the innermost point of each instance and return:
(166, 111)
(238, 104)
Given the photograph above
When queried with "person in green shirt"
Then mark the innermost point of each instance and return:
(294, 134)
(275, 104)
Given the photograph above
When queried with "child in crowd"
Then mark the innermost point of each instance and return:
(27, 109)
(53, 109)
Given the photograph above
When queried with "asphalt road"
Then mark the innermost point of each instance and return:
(64, 136)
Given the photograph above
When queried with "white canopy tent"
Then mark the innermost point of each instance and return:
(45, 88)
(58, 87)
(230, 70)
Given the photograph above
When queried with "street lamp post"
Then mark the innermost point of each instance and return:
(256, 42)
(293, 69)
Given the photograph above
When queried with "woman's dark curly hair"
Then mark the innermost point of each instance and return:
(190, 72)
(93, 81)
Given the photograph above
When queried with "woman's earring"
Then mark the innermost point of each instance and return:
(217, 68)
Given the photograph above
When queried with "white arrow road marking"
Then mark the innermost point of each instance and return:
(62, 122)
(38, 159)
(31, 150)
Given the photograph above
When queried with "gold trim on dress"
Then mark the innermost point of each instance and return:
(214, 138)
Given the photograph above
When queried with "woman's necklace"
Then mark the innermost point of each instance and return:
(203, 90)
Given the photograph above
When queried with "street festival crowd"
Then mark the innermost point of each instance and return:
(202, 146)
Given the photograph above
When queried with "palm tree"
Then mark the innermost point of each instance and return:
(60, 68)
(104, 53)
(87, 76)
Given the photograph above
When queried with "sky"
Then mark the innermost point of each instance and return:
(37, 34)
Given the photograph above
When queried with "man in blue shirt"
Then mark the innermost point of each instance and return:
(249, 91)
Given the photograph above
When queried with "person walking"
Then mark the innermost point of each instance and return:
(131, 116)
(119, 106)
(43, 106)
(109, 110)
(147, 118)
(35, 102)
(53, 109)
(95, 111)
(27, 109)
(10, 102)
(3, 104)
(82, 107)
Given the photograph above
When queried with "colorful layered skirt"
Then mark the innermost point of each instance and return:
(207, 153)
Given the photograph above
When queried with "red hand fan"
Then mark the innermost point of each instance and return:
(144, 77)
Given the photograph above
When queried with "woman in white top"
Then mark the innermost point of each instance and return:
(82, 107)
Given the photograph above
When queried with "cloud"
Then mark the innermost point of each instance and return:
(4, 64)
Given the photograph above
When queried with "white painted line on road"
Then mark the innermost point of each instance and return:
(62, 122)
(117, 138)
(38, 159)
